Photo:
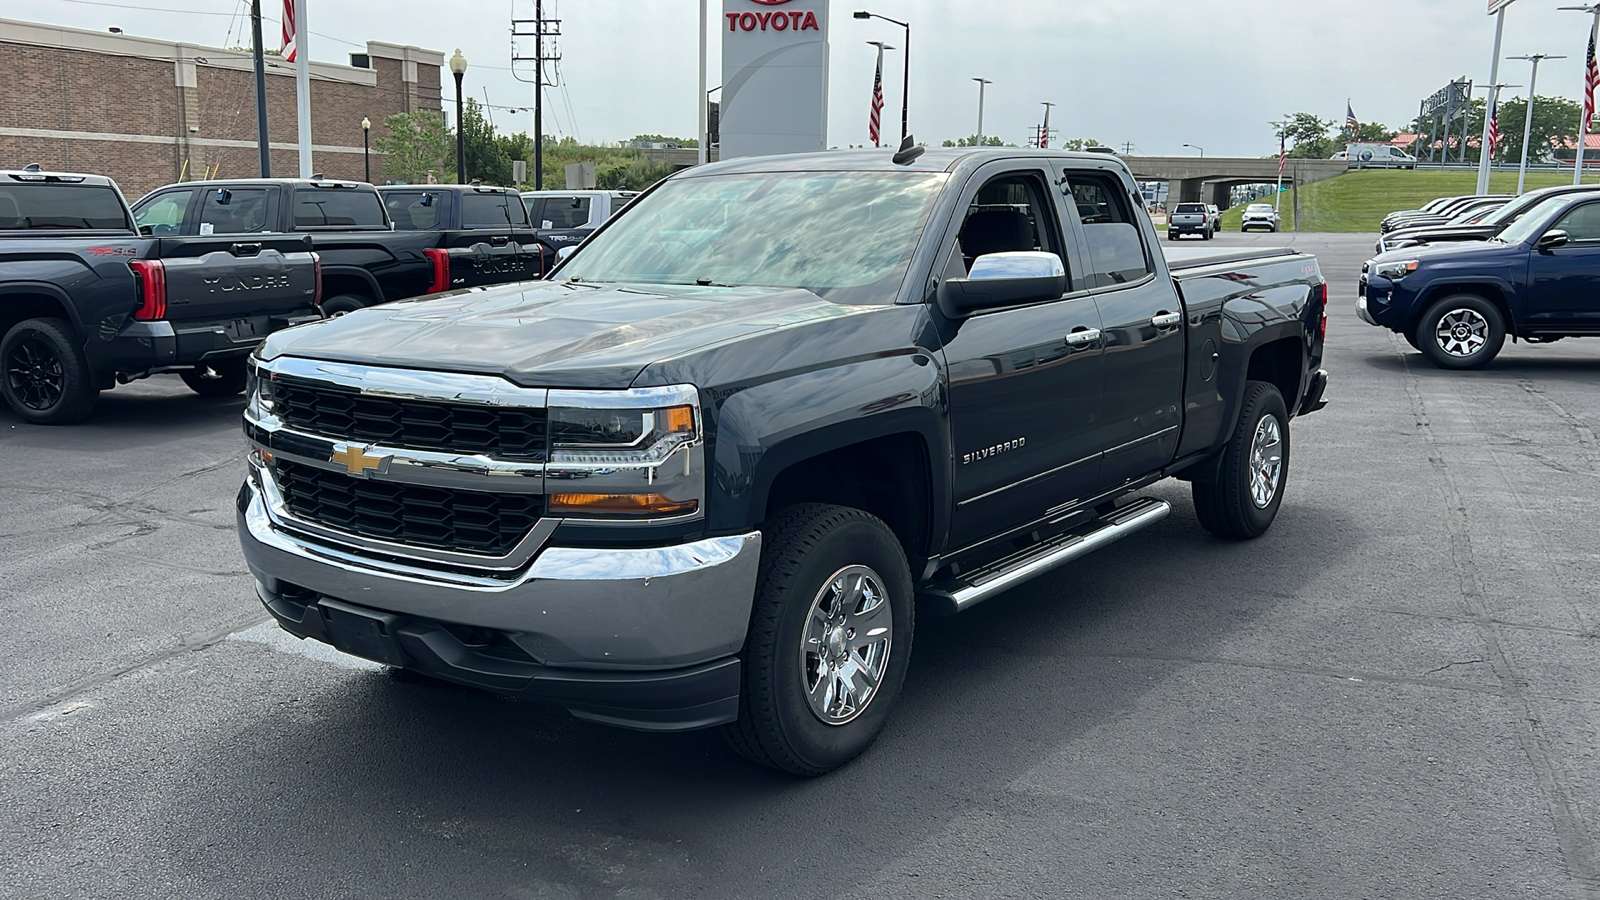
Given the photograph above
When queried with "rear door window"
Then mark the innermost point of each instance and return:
(565, 212)
(1114, 247)
(483, 210)
(1582, 224)
(234, 211)
(337, 208)
(413, 210)
(1184, 208)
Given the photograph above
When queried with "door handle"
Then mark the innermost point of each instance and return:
(1083, 337)
(1165, 319)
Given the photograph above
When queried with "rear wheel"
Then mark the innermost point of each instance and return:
(44, 374)
(1243, 501)
(217, 378)
(1463, 331)
(344, 303)
(829, 640)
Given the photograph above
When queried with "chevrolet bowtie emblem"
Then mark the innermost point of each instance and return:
(356, 460)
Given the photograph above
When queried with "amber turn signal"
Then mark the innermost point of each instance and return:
(678, 419)
(634, 504)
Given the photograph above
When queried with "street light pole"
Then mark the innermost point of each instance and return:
(905, 81)
(1583, 136)
(1494, 78)
(458, 68)
(366, 148)
(1527, 120)
(981, 82)
(262, 145)
(1197, 147)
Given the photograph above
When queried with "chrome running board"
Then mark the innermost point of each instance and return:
(971, 588)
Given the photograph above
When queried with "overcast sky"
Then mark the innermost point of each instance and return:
(1157, 73)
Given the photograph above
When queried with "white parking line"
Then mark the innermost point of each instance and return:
(270, 634)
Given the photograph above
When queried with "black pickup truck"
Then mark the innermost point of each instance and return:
(449, 237)
(700, 475)
(85, 301)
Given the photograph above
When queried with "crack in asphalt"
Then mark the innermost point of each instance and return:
(1576, 844)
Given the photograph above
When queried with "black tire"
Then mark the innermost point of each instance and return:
(1228, 507)
(1470, 322)
(1172, 235)
(217, 378)
(803, 548)
(1205, 235)
(344, 303)
(44, 374)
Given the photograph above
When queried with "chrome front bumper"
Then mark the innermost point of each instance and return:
(617, 608)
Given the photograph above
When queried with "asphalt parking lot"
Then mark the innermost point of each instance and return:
(1391, 694)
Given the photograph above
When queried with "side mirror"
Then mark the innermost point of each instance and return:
(146, 230)
(223, 196)
(1551, 240)
(1004, 279)
(565, 252)
(427, 200)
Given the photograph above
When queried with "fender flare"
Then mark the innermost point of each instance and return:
(338, 271)
(54, 292)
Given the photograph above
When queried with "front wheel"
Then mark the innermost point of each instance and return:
(1244, 499)
(44, 374)
(829, 639)
(1463, 331)
(217, 378)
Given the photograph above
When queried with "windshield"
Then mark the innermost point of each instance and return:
(1534, 222)
(847, 236)
(1473, 213)
(1259, 207)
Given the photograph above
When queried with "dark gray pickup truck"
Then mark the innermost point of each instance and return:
(86, 302)
(706, 473)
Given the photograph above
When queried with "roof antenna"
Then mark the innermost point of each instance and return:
(908, 152)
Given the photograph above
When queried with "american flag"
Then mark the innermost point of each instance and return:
(877, 101)
(1283, 151)
(1350, 123)
(1591, 80)
(1494, 124)
(288, 31)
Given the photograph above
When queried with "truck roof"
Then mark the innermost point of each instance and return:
(933, 159)
(338, 182)
(36, 174)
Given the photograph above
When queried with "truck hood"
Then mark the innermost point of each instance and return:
(553, 334)
(1449, 251)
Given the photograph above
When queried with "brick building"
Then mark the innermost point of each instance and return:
(149, 112)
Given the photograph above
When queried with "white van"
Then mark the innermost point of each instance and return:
(1376, 156)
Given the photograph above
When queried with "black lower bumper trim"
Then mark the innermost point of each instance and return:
(651, 700)
(1314, 391)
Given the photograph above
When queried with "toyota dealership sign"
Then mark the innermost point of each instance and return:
(774, 77)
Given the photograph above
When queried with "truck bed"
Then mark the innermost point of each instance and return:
(1181, 258)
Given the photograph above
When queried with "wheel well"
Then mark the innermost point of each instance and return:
(15, 308)
(334, 285)
(1489, 292)
(1279, 363)
(887, 476)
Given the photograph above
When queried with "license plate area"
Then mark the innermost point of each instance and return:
(361, 632)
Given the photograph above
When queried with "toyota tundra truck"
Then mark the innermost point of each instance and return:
(710, 472)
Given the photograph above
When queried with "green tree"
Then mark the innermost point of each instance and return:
(1309, 136)
(1555, 122)
(664, 139)
(1079, 143)
(418, 146)
(487, 160)
(1374, 132)
(971, 140)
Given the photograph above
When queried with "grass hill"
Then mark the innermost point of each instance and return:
(1358, 201)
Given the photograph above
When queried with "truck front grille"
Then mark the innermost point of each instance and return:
(514, 434)
(480, 522)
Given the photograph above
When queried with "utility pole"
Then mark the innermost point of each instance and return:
(1527, 120)
(261, 90)
(542, 28)
(1127, 148)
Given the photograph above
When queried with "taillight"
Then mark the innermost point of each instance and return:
(1322, 326)
(441, 269)
(316, 263)
(152, 278)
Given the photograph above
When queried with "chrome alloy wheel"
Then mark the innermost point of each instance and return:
(844, 650)
(1462, 332)
(35, 374)
(1266, 461)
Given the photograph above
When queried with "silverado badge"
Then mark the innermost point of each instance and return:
(356, 460)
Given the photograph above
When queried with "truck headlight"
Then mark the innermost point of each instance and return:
(259, 399)
(1394, 271)
(626, 454)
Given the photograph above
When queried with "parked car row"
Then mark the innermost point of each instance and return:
(1527, 270)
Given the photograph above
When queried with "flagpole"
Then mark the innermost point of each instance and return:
(1277, 196)
(1494, 78)
(302, 84)
(877, 92)
(1585, 117)
(703, 154)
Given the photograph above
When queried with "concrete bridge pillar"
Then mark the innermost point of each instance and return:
(1184, 190)
(1219, 194)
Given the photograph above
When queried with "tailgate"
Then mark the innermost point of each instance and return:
(480, 258)
(217, 278)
